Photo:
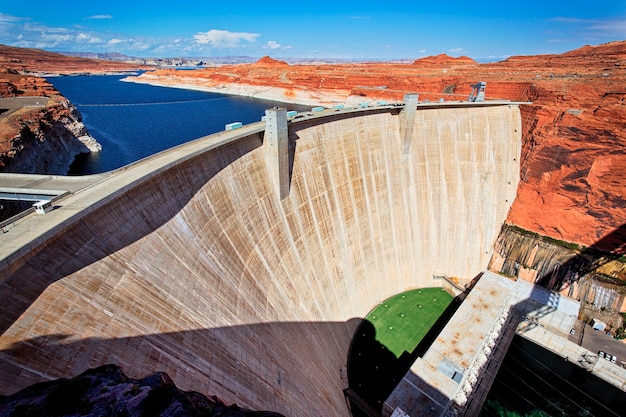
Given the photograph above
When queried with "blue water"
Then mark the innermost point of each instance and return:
(133, 121)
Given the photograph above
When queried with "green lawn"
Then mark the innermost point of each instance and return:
(403, 320)
(399, 324)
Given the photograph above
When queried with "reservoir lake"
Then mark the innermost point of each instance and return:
(132, 121)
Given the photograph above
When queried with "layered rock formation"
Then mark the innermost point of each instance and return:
(43, 136)
(38, 61)
(574, 133)
(106, 390)
(40, 131)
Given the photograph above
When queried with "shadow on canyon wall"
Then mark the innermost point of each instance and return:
(573, 388)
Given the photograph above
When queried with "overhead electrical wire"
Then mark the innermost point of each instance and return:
(568, 382)
(149, 103)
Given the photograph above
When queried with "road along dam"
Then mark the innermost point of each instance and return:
(242, 262)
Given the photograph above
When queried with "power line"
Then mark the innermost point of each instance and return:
(568, 382)
(150, 103)
(540, 395)
(501, 382)
(555, 389)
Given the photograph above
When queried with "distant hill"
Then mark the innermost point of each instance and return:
(30, 60)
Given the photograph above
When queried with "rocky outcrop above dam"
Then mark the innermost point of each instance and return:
(106, 390)
(593, 275)
(41, 132)
(573, 166)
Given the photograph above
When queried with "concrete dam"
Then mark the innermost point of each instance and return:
(242, 280)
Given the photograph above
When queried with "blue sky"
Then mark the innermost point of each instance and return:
(483, 30)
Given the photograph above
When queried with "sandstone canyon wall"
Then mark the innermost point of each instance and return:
(41, 132)
(573, 166)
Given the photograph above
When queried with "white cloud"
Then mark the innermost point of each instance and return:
(457, 51)
(24, 32)
(55, 38)
(608, 28)
(87, 38)
(273, 45)
(99, 17)
(9, 19)
(223, 38)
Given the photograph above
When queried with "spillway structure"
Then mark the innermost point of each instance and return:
(242, 263)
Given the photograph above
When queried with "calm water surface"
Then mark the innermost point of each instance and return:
(133, 121)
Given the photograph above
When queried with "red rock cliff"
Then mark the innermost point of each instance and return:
(573, 173)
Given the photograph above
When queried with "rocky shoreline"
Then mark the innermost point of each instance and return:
(47, 140)
(265, 92)
(41, 132)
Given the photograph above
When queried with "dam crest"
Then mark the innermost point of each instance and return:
(243, 275)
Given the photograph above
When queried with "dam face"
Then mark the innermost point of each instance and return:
(201, 270)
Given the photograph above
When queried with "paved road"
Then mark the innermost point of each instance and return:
(12, 104)
(596, 341)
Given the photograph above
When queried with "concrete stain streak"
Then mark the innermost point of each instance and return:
(189, 263)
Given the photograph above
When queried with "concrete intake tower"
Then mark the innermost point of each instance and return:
(241, 263)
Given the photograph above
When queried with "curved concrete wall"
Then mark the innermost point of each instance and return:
(200, 270)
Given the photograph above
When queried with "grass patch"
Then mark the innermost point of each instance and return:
(390, 338)
(402, 321)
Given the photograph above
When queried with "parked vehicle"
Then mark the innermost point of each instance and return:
(598, 325)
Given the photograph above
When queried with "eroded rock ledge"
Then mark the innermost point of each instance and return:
(41, 132)
(106, 390)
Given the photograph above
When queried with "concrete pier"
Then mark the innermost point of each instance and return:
(408, 121)
(277, 145)
(191, 262)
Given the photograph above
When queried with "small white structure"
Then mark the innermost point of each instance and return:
(43, 206)
(233, 126)
(598, 324)
(398, 412)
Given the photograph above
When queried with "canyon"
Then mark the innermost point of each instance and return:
(573, 162)
(236, 290)
(43, 136)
